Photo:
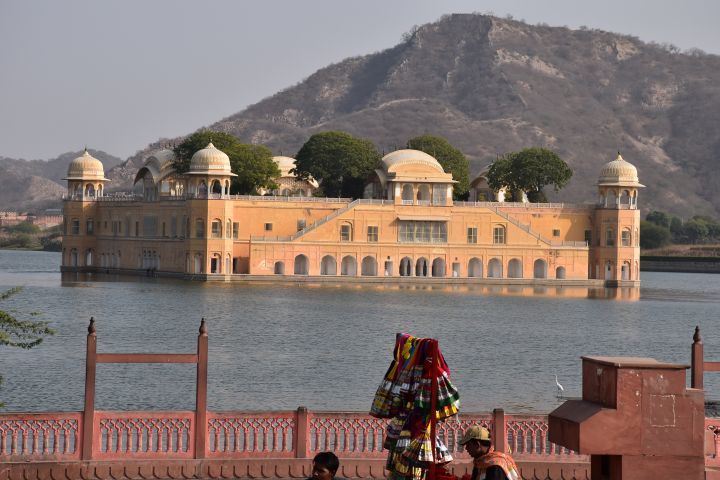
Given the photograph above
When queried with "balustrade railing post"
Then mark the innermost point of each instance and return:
(500, 429)
(301, 433)
(88, 424)
(697, 361)
(201, 424)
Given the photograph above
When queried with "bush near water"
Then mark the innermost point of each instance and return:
(27, 236)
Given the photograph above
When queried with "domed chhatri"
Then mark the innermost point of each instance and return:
(210, 160)
(410, 157)
(619, 173)
(86, 167)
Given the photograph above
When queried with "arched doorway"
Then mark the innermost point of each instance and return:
(89, 258)
(279, 268)
(348, 266)
(495, 269)
(625, 272)
(540, 268)
(609, 273)
(369, 266)
(560, 273)
(515, 268)
(301, 265)
(438, 267)
(423, 194)
(421, 267)
(328, 265)
(406, 267)
(475, 268)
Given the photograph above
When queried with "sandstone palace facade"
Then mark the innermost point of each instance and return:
(407, 226)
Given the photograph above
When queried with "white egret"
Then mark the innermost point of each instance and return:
(560, 389)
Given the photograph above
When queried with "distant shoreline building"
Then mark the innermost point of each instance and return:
(408, 225)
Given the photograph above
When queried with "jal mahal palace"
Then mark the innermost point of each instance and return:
(408, 225)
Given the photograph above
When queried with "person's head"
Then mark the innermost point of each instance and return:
(325, 465)
(476, 441)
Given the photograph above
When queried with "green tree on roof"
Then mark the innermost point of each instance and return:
(529, 171)
(253, 164)
(452, 160)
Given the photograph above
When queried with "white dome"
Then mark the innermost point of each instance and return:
(404, 157)
(85, 167)
(619, 172)
(210, 161)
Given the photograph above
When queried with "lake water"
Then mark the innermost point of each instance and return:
(327, 347)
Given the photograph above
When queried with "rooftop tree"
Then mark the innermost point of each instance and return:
(339, 161)
(253, 164)
(529, 171)
(452, 160)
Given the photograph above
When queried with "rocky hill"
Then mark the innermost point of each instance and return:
(37, 184)
(494, 85)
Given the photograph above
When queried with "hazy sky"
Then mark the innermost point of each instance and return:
(117, 75)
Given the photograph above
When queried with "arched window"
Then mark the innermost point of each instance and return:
(279, 268)
(560, 273)
(406, 267)
(407, 194)
(227, 187)
(200, 228)
(438, 267)
(89, 257)
(611, 198)
(609, 237)
(495, 269)
(626, 238)
(328, 266)
(515, 268)
(228, 229)
(301, 265)
(423, 194)
(369, 267)
(540, 268)
(348, 266)
(625, 198)
(217, 228)
(202, 189)
(475, 268)
(421, 267)
(90, 190)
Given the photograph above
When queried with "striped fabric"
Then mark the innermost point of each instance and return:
(404, 396)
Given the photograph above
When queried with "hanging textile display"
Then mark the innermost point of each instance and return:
(415, 394)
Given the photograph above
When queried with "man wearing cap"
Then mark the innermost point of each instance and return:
(487, 463)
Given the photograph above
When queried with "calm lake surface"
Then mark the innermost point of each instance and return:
(281, 346)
